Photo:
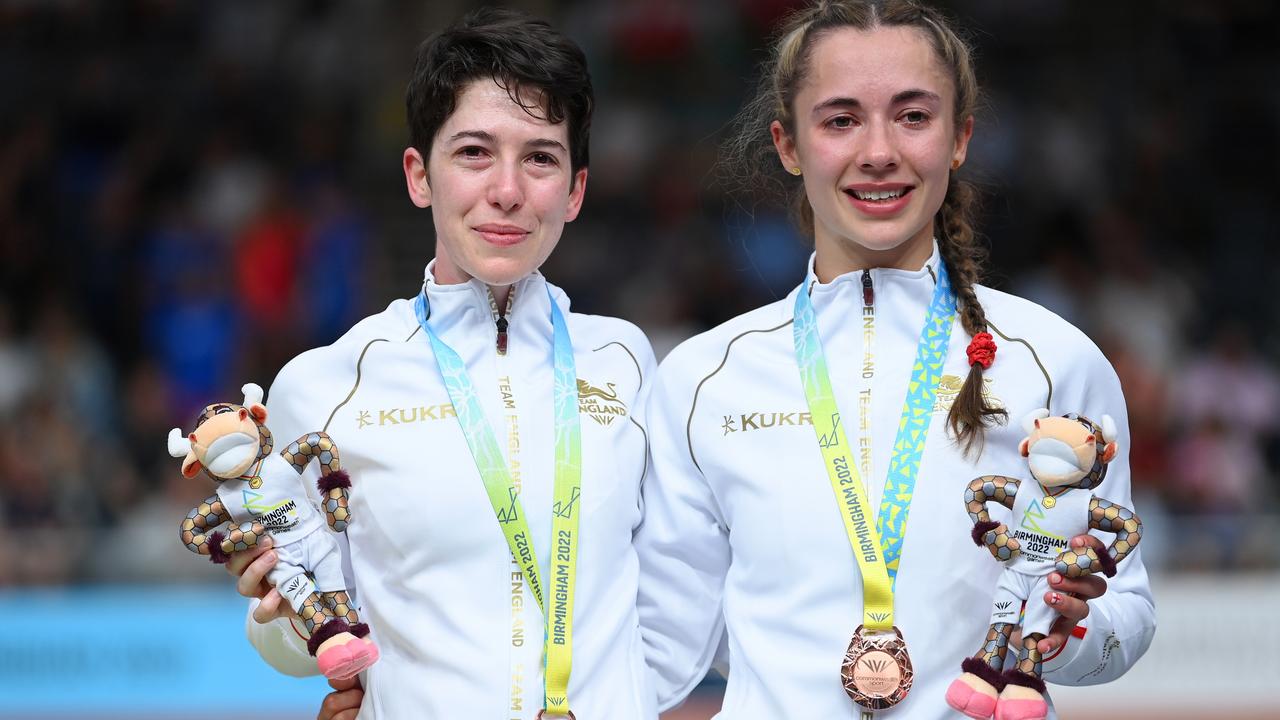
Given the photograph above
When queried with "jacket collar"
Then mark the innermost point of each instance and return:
(848, 287)
(469, 307)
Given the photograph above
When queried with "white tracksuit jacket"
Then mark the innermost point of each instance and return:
(460, 633)
(742, 533)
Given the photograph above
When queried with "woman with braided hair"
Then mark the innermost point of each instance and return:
(888, 376)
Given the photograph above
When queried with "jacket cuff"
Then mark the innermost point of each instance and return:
(280, 644)
(1104, 646)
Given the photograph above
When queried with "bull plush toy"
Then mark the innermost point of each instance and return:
(1067, 457)
(261, 493)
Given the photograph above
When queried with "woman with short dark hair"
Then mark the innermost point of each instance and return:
(493, 437)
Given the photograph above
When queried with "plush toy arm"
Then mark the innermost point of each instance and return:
(987, 532)
(195, 527)
(313, 445)
(988, 488)
(334, 483)
(334, 488)
(1109, 517)
(244, 537)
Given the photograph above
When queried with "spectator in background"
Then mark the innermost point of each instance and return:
(17, 367)
(1227, 414)
(1137, 299)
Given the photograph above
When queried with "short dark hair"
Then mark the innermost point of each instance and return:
(519, 53)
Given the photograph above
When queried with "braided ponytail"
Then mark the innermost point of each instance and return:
(971, 412)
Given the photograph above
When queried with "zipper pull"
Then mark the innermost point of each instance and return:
(500, 317)
(502, 334)
(868, 292)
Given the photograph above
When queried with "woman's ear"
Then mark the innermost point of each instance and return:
(962, 143)
(786, 147)
(415, 178)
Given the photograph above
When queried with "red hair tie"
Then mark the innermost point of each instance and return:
(982, 349)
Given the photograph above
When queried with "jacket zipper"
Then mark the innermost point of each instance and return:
(500, 318)
(868, 291)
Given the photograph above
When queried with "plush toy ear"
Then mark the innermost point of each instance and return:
(1024, 447)
(1110, 452)
(259, 412)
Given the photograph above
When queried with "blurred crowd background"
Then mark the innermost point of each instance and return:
(193, 192)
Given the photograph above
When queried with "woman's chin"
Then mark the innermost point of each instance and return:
(883, 247)
(500, 272)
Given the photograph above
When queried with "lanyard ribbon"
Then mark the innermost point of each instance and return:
(506, 499)
(878, 548)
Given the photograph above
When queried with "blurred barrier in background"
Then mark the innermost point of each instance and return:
(140, 652)
(162, 652)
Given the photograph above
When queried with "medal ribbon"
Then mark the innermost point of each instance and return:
(878, 560)
(505, 499)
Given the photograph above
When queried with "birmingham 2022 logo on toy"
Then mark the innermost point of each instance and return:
(1035, 540)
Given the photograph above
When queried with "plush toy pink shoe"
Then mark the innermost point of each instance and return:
(363, 656)
(1021, 709)
(1022, 698)
(342, 662)
(974, 693)
(963, 697)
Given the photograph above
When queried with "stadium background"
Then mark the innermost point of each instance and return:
(191, 193)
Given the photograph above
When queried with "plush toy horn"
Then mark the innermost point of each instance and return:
(1029, 421)
(179, 445)
(1108, 429)
(252, 394)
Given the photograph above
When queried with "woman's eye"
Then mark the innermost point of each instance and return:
(471, 152)
(915, 117)
(542, 158)
(840, 122)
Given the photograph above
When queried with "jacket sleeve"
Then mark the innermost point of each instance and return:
(281, 644)
(291, 414)
(683, 547)
(1122, 622)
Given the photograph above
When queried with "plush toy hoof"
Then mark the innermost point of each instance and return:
(1021, 703)
(968, 695)
(343, 662)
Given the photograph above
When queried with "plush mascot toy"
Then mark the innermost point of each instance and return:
(1068, 457)
(261, 492)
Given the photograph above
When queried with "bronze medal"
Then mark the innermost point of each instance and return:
(877, 671)
(544, 715)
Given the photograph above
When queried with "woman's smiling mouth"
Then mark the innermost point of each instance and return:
(879, 199)
(501, 234)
